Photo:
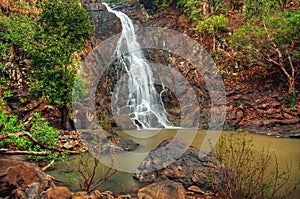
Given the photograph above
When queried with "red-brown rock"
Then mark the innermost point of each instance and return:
(21, 178)
(58, 193)
(166, 189)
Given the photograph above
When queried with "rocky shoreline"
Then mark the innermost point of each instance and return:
(171, 170)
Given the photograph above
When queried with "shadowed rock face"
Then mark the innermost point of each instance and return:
(188, 168)
(106, 24)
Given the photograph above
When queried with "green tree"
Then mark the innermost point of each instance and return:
(212, 25)
(63, 28)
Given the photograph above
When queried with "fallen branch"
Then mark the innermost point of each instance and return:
(9, 152)
(24, 133)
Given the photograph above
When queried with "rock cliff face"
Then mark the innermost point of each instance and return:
(106, 27)
(255, 102)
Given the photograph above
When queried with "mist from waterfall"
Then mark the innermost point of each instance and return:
(143, 103)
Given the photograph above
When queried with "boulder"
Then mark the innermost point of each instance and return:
(173, 159)
(166, 189)
(58, 193)
(21, 179)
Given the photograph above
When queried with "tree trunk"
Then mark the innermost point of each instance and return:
(64, 117)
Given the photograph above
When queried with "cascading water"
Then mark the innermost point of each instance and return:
(144, 103)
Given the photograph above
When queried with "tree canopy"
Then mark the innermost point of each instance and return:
(51, 42)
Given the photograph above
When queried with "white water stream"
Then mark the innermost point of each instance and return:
(144, 104)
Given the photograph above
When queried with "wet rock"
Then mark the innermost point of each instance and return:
(166, 189)
(102, 143)
(124, 122)
(22, 178)
(174, 159)
(125, 144)
(107, 24)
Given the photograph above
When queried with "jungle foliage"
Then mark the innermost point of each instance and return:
(267, 34)
(40, 46)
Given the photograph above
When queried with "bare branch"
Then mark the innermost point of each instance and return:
(48, 166)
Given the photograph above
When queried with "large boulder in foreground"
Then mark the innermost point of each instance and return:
(166, 189)
(22, 180)
(173, 159)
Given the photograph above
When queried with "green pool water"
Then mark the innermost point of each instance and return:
(287, 152)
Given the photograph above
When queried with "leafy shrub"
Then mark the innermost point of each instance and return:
(48, 43)
(40, 130)
(164, 4)
(212, 24)
(9, 124)
(274, 41)
(291, 100)
(258, 9)
(19, 31)
(249, 174)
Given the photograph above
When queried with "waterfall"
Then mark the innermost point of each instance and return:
(143, 103)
